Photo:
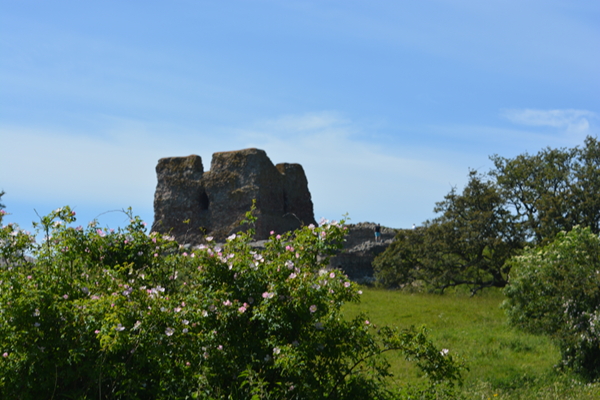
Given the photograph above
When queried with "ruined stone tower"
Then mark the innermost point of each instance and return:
(190, 203)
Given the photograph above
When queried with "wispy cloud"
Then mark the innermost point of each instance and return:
(45, 168)
(572, 121)
(325, 120)
(56, 165)
(393, 184)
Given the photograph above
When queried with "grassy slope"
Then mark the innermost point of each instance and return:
(504, 363)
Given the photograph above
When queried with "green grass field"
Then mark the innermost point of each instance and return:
(504, 363)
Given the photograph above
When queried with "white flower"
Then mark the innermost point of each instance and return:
(169, 331)
(444, 352)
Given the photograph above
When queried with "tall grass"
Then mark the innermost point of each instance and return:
(504, 363)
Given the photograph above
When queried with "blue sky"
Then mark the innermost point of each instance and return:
(386, 104)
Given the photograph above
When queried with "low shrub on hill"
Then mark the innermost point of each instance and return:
(104, 314)
(555, 290)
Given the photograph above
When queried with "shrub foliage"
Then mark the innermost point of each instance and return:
(555, 290)
(102, 314)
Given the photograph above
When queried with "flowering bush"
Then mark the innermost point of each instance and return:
(108, 314)
(555, 290)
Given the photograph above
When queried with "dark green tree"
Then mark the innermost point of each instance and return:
(552, 191)
(467, 244)
(585, 189)
(526, 199)
(1, 205)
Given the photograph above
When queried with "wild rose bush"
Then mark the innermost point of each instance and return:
(102, 314)
(555, 290)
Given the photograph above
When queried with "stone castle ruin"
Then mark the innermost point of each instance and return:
(190, 203)
(360, 249)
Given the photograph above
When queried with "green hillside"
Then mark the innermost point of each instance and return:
(504, 363)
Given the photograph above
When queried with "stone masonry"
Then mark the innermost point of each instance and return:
(360, 249)
(190, 204)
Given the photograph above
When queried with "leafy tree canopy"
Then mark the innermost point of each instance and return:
(553, 190)
(526, 199)
(467, 244)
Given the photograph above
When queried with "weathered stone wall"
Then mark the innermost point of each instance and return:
(360, 249)
(180, 196)
(190, 203)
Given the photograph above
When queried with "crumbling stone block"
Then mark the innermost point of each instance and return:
(190, 204)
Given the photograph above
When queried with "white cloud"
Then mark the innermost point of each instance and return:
(113, 168)
(396, 185)
(392, 185)
(572, 121)
(60, 165)
(309, 122)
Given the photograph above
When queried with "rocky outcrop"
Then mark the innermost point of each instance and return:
(190, 203)
(181, 206)
(360, 249)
